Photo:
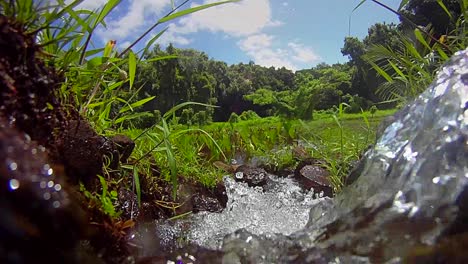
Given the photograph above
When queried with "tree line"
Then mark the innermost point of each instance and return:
(177, 75)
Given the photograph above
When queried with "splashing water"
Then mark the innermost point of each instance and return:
(279, 207)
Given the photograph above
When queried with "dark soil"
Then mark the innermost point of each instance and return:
(46, 150)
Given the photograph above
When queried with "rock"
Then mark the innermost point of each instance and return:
(124, 146)
(82, 150)
(206, 203)
(310, 173)
(253, 176)
(128, 204)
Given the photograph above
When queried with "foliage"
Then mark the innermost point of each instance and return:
(410, 67)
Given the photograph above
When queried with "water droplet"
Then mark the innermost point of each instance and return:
(58, 187)
(46, 196)
(43, 184)
(34, 151)
(56, 204)
(13, 166)
(46, 169)
(14, 184)
(50, 184)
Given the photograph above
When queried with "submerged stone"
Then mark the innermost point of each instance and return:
(311, 174)
(253, 176)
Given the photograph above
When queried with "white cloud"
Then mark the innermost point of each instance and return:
(236, 19)
(261, 48)
(285, 4)
(172, 36)
(90, 4)
(303, 54)
(256, 42)
(139, 12)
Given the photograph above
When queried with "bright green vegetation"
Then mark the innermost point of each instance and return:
(270, 142)
(330, 110)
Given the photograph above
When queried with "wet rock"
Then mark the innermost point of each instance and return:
(197, 198)
(206, 203)
(37, 211)
(82, 150)
(124, 146)
(311, 174)
(128, 204)
(253, 176)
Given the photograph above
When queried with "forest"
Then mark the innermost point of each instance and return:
(161, 126)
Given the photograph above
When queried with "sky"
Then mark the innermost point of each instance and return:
(296, 34)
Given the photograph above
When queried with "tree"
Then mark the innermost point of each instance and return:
(430, 13)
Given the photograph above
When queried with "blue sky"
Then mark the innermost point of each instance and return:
(295, 34)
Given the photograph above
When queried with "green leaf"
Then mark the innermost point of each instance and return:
(171, 111)
(136, 104)
(162, 58)
(441, 4)
(360, 4)
(131, 67)
(206, 134)
(397, 70)
(131, 116)
(111, 4)
(192, 10)
(402, 4)
(381, 71)
(420, 38)
(150, 43)
(442, 53)
(136, 180)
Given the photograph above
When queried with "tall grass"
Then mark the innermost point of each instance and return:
(411, 67)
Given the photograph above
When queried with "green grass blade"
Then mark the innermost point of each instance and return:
(150, 43)
(192, 10)
(402, 4)
(360, 4)
(441, 4)
(420, 38)
(381, 71)
(136, 104)
(136, 181)
(162, 58)
(131, 68)
(171, 111)
(206, 134)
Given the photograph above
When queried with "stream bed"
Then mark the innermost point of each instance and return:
(279, 207)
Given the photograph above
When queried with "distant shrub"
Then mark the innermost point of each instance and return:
(248, 115)
(373, 110)
(326, 98)
(186, 116)
(147, 120)
(234, 118)
(355, 102)
(200, 118)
